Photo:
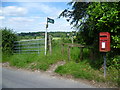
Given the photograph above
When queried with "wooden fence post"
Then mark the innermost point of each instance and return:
(62, 49)
(91, 54)
(69, 47)
(68, 53)
(72, 39)
(50, 46)
(81, 53)
(19, 47)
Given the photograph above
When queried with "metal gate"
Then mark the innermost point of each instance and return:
(29, 46)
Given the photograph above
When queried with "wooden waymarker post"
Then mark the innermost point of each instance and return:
(49, 20)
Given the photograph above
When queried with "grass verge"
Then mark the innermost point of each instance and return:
(85, 71)
(35, 61)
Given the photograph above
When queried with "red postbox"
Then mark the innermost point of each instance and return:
(104, 41)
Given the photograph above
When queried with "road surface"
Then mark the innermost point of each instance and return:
(13, 78)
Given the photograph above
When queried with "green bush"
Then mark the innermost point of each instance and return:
(8, 38)
(115, 62)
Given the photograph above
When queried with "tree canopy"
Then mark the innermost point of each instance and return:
(90, 18)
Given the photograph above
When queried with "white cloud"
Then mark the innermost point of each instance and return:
(49, 10)
(29, 17)
(42, 23)
(14, 11)
(36, 0)
(21, 24)
(21, 19)
(60, 25)
(0, 11)
(30, 24)
(42, 8)
(36, 17)
(2, 17)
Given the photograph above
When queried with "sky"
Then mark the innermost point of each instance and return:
(31, 16)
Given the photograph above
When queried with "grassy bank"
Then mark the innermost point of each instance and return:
(35, 61)
(82, 69)
(85, 71)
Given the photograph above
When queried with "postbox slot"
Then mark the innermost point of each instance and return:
(103, 36)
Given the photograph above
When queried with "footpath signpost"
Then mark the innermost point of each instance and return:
(49, 20)
(104, 46)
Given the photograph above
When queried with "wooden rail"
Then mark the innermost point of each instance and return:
(73, 45)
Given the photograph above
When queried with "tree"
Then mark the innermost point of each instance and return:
(91, 18)
(104, 17)
(78, 12)
(8, 38)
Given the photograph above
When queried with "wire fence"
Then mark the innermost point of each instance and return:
(29, 46)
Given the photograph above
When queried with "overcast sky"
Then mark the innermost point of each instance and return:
(30, 15)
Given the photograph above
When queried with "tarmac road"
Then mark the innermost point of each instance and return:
(12, 78)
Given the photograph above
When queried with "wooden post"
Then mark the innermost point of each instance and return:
(81, 53)
(68, 53)
(92, 54)
(50, 46)
(72, 40)
(62, 49)
(19, 47)
(38, 49)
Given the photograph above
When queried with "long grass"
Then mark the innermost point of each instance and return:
(85, 71)
(77, 68)
(80, 70)
(34, 60)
